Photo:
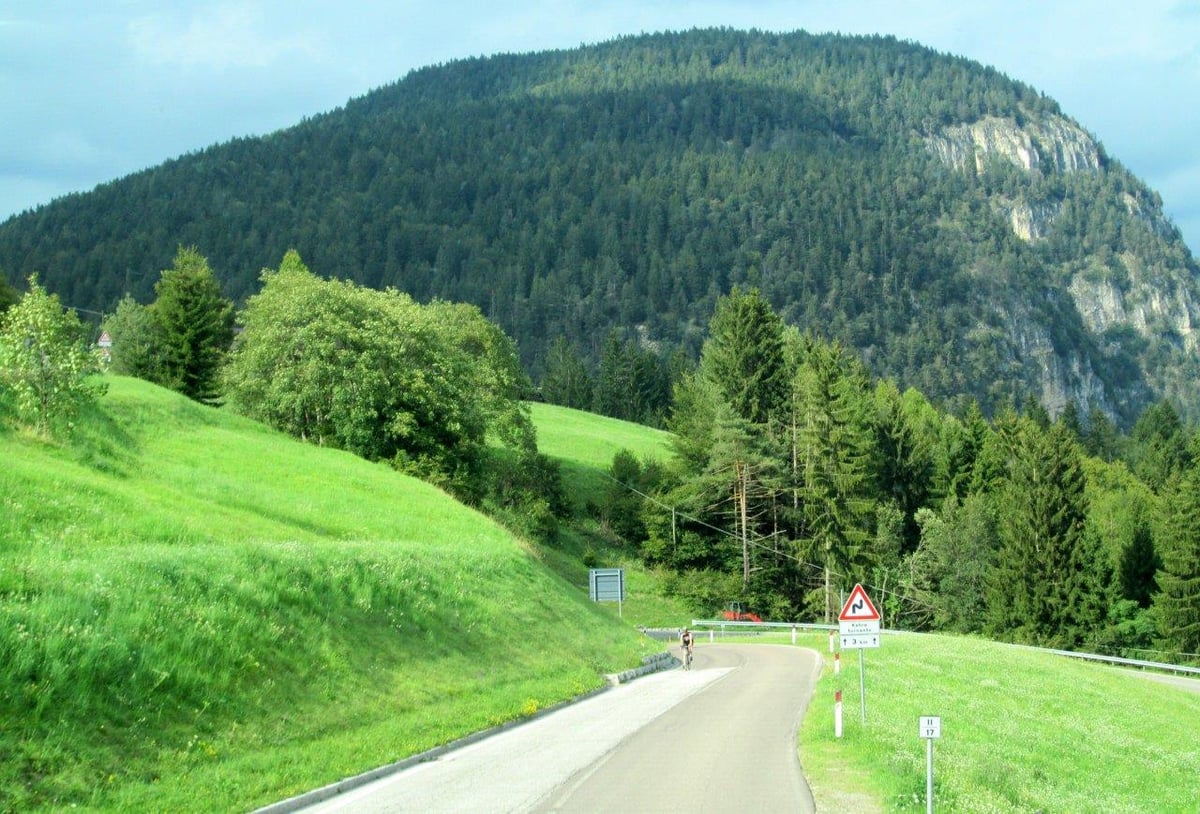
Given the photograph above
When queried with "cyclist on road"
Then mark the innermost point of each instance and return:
(685, 645)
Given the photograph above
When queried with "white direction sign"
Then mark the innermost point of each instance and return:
(858, 623)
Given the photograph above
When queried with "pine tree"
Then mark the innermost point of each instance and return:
(194, 326)
(744, 356)
(1048, 584)
(1177, 603)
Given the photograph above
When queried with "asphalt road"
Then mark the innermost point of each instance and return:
(720, 737)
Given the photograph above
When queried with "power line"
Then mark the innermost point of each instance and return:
(755, 542)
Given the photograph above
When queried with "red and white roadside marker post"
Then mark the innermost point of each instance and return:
(837, 715)
(837, 705)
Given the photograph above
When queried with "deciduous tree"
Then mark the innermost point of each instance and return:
(135, 340)
(46, 367)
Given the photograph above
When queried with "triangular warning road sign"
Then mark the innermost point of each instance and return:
(858, 607)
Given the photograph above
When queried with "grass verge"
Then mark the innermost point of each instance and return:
(191, 601)
(1022, 731)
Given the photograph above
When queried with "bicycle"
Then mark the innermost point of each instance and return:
(687, 657)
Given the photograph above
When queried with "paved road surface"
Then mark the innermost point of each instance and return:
(720, 737)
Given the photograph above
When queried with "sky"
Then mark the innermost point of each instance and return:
(93, 90)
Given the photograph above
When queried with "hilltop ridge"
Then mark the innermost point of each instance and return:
(953, 225)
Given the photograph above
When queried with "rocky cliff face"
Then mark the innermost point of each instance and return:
(1158, 300)
(1142, 303)
(1055, 143)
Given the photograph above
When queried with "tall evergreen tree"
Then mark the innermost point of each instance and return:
(744, 356)
(906, 466)
(194, 326)
(1159, 446)
(836, 488)
(1102, 439)
(1048, 584)
(8, 295)
(1177, 603)
(566, 380)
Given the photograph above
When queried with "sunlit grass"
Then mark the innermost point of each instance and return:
(1021, 732)
(189, 600)
(584, 445)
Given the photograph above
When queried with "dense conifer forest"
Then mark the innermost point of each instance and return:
(601, 200)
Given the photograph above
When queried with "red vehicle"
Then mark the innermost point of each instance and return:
(737, 612)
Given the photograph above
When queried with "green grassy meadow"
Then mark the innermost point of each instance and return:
(584, 445)
(1022, 731)
(192, 601)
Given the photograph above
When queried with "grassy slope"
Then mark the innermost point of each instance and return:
(584, 445)
(188, 600)
(1022, 731)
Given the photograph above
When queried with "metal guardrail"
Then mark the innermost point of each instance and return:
(721, 624)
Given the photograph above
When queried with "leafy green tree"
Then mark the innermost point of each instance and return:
(377, 374)
(1177, 603)
(194, 327)
(493, 367)
(135, 340)
(1122, 510)
(951, 564)
(46, 367)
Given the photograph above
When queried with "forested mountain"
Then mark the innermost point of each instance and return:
(950, 224)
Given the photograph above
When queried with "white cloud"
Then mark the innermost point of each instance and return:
(222, 36)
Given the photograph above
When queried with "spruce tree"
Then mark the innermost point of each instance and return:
(566, 380)
(1177, 603)
(836, 488)
(194, 326)
(744, 356)
(1048, 584)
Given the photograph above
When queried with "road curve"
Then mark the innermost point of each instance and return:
(720, 737)
(729, 748)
